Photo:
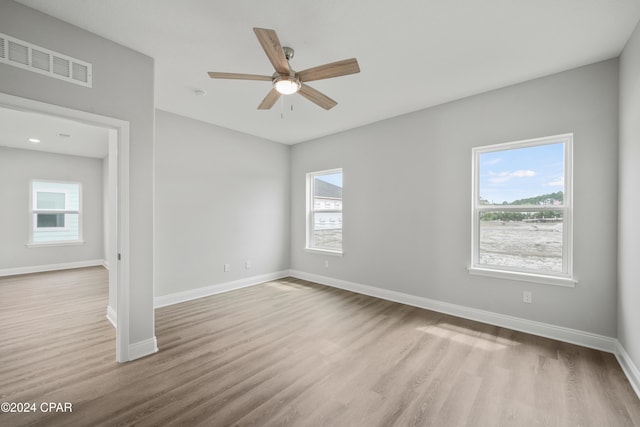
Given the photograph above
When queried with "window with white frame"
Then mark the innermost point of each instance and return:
(55, 212)
(324, 211)
(522, 210)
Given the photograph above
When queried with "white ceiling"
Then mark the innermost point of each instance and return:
(78, 139)
(412, 53)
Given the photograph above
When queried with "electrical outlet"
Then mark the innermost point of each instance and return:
(247, 264)
(227, 267)
(326, 264)
(527, 297)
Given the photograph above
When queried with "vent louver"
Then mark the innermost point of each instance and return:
(18, 53)
(30, 57)
(61, 66)
(79, 72)
(40, 60)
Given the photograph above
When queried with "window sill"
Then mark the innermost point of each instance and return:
(48, 244)
(525, 277)
(324, 252)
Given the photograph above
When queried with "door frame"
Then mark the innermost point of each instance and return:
(118, 217)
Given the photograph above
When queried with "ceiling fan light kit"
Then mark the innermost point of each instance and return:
(285, 80)
(287, 85)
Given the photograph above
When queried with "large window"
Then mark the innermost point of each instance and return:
(55, 212)
(324, 211)
(522, 210)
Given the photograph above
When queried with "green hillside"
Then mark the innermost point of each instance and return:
(522, 216)
(537, 200)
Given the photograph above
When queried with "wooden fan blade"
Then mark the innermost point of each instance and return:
(269, 100)
(238, 76)
(326, 71)
(271, 45)
(317, 97)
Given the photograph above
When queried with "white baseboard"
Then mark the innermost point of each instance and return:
(143, 348)
(105, 264)
(630, 369)
(112, 316)
(50, 267)
(573, 336)
(164, 300)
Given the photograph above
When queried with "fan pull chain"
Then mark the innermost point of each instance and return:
(281, 107)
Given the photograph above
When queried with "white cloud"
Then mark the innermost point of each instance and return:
(558, 182)
(498, 178)
(492, 162)
(523, 173)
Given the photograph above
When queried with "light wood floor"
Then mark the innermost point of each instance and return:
(291, 353)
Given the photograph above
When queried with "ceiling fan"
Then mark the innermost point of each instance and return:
(285, 80)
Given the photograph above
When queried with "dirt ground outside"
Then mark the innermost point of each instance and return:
(525, 245)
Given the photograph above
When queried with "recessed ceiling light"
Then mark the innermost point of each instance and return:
(34, 140)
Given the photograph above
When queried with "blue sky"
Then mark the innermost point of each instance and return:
(509, 175)
(334, 178)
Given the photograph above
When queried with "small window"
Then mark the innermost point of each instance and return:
(55, 213)
(324, 211)
(522, 210)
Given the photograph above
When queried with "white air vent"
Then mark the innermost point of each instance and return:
(61, 66)
(18, 53)
(44, 61)
(80, 72)
(40, 60)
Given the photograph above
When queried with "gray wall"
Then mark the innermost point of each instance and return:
(220, 197)
(122, 88)
(418, 241)
(17, 169)
(629, 237)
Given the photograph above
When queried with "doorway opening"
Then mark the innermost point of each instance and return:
(116, 211)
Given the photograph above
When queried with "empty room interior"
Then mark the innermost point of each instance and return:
(320, 213)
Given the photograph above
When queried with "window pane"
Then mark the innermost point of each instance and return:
(50, 200)
(326, 211)
(327, 192)
(50, 220)
(54, 195)
(522, 240)
(327, 230)
(68, 232)
(529, 176)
